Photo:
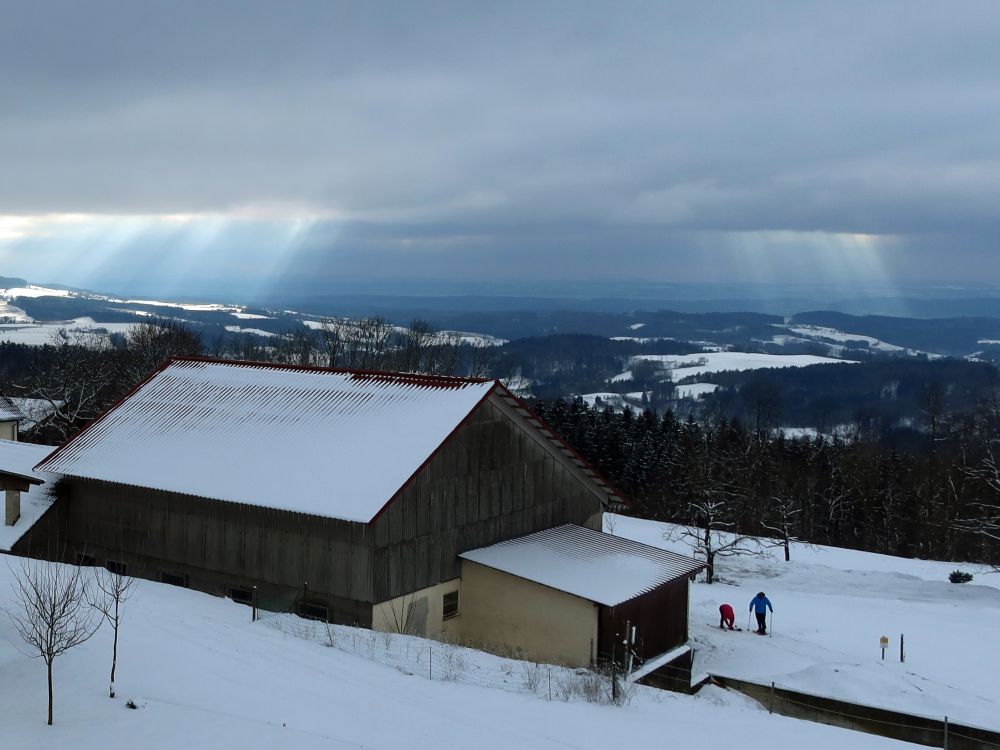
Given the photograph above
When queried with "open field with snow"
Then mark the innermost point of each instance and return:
(39, 334)
(831, 606)
(695, 365)
(204, 676)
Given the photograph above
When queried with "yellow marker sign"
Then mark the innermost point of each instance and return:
(883, 642)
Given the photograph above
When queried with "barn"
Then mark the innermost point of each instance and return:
(344, 495)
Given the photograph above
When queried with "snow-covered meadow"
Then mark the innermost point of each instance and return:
(706, 363)
(204, 676)
(831, 607)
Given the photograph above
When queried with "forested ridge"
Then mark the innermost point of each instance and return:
(942, 501)
(889, 482)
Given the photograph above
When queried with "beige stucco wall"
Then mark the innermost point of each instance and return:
(8, 430)
(504, 613)
(427, 606)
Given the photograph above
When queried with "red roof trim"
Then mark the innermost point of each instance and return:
(565, 447)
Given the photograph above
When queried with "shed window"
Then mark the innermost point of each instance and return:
(313, 611)
(450, 605)
(85, 560)
(174, 580)
(117, 567)
(240, 595)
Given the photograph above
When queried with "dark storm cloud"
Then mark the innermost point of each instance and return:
(453, 138)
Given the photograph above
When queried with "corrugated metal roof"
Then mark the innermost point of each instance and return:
(324, 442)
(9, 412)
(590, 564)
(19, 458)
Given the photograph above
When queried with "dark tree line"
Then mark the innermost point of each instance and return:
(942, 501)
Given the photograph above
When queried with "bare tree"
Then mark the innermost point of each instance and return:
(51, 613)
(982, 517)
(399, 618)
(108, 596)
(714, 536)
(780, 520)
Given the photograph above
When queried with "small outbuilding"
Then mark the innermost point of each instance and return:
(28, 494)
(10, 417)
(572, 594)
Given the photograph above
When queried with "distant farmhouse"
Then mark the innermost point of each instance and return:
(430, 505)
(10, 417)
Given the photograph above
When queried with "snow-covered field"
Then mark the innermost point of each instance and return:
(831, 606)
(696, 365)
(39, 334)
(204, 677)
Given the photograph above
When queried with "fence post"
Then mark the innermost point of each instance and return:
(902, 656)
(770, 703)
(253, 609)
(945, 745)
(430, 662)
(550, 681)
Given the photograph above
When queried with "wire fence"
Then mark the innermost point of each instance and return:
(449, 662)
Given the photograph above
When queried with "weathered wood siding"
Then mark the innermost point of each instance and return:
(659, 616)
(493, 480)
(219, 544)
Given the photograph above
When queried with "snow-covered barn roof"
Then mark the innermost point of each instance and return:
(18, 459)
(589, 564)
(9, 412)
(324, 442)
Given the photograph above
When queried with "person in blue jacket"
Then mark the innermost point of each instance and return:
(759, 605)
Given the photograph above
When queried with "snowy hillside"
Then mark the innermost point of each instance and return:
(204, 676)
(831, 606)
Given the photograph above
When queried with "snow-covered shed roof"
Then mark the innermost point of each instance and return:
(590, 564)
(9, 412)
(18, 459)
(325, 442)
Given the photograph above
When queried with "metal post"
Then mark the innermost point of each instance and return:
(253, 602)
(550, 682)
(430, 662)
(628, 647)
(614, 670)
(945, 745)
(770, 704)
(902, 655)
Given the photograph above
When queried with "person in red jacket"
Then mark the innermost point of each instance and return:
(727, 616)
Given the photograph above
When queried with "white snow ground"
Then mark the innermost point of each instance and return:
(205, 677)
(831, 606)
(39, 334)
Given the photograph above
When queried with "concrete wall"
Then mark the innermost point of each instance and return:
(920, 730)
(421, 613)
(501, 612)
(8, 430)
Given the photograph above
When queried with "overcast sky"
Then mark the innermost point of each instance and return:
(293, 142)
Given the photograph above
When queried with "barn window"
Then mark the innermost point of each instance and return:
(174, 580)
(85, 560)
(117, 567)
(313, 611)
(240, 595)
(450, 605)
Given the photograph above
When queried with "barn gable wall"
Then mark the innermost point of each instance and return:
(492, 480)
